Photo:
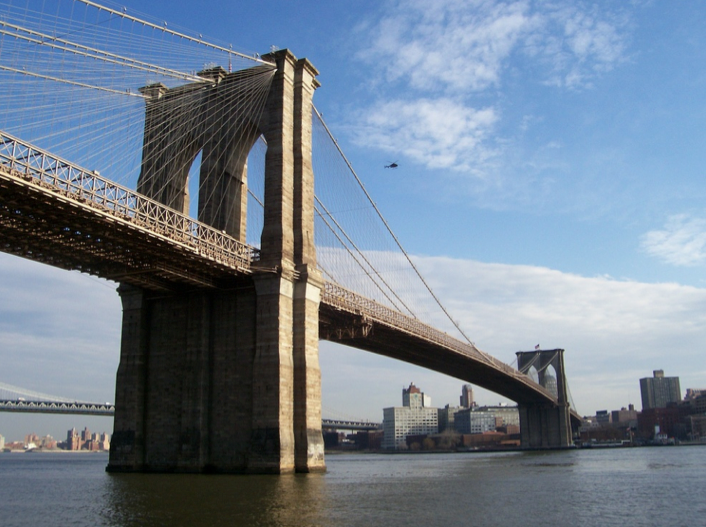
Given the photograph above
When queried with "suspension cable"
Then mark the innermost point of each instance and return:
(389, 230)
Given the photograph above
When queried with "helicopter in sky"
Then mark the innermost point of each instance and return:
(392, 165)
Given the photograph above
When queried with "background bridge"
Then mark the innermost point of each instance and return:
(201, 130)
(16, 399)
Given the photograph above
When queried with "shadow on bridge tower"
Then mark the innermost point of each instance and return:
(227, 379)
(543, 424)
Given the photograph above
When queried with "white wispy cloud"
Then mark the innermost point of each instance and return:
(465, 46)
(445, 56)
(448, 45)
(578, 42)
(440, 133)
(681, 242)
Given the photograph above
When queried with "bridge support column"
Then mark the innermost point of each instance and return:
(545, 426)
(184, 384)
(228, 379)
(128, 441)
(309, 442)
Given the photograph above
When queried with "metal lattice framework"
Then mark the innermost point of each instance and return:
(108, 410)
(57, 407)
(92, 200)
(340, 424)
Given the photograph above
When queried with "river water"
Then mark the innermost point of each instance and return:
(638, 486)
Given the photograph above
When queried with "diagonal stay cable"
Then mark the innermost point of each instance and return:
(362, 255)
(171, 32)
(387, 226)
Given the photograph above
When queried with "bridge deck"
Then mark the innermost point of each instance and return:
(356, 321)
(58, 213)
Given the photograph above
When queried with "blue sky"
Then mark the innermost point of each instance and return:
(550, 186)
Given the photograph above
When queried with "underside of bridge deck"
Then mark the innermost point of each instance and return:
(38, 223)
(341, 327)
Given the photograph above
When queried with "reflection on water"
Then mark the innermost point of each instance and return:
(155, 500)
(641, 486)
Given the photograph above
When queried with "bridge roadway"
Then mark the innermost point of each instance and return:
(58, 213)
(108, 409)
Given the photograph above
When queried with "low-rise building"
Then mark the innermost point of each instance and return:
(485, 419)
(625, 416)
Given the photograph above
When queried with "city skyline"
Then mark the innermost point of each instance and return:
(549, 186)
(16, 420)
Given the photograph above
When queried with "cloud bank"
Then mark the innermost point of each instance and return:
(60, 334)
(614, 332)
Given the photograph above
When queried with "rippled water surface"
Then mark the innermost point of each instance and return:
(640, 486)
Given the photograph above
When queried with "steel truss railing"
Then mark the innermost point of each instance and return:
(89, 188)
(346, 300)
(56, 407)
(343, 424)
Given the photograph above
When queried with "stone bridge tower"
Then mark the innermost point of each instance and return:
(227, 379)
(544, 425)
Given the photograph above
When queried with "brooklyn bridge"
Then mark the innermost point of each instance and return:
(207, 185)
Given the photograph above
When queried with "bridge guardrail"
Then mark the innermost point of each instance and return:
(90, 188)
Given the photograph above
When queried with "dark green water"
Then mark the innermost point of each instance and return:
(641, 486)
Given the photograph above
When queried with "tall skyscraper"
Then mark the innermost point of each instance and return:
(657, 391)
(467, 396)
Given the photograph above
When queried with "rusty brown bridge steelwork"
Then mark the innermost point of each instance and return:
(219, 353)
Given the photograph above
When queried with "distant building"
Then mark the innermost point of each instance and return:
(414, 417)
(86, 440)
(413, 397)
(472, 421)
(697, 405)
(447, 415)
(670, 421)
(603, 417)
(485, 419)
(696, 429)
(467, 396)
(658, 391)
(693, 393)
(73, 440)
(31, 441)
(625, 416)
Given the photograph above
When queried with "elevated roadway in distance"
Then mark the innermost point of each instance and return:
(346, 424)
(108, 409)
(57, 407)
